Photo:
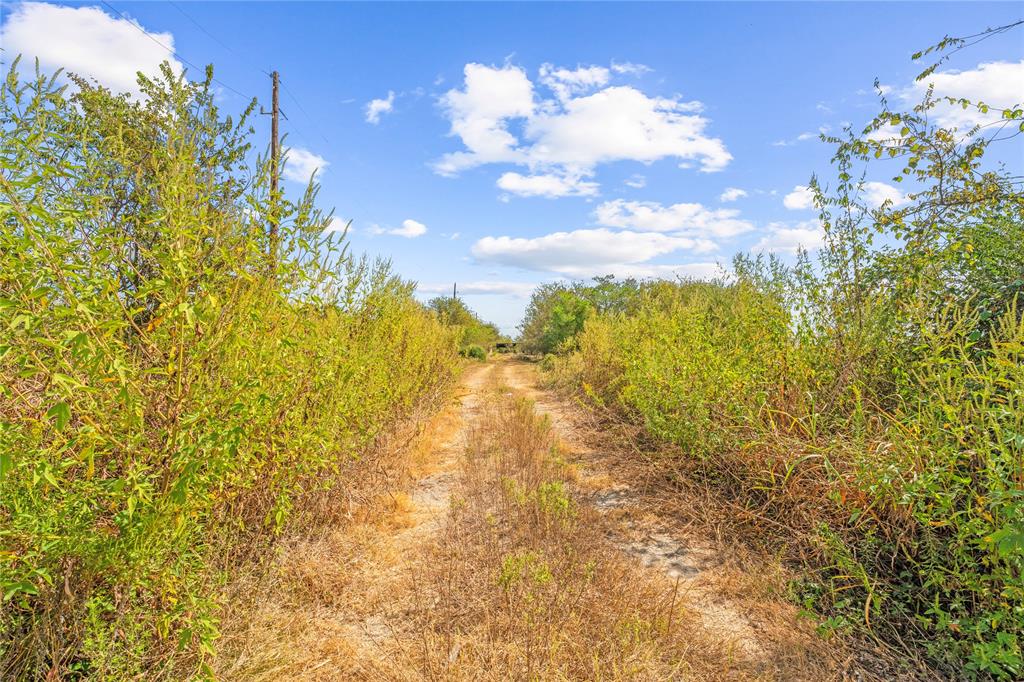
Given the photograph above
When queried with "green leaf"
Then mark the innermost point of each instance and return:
(61, 414)
(6, 464)
(1009, 541)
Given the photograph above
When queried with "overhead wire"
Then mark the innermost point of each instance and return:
(168, 49)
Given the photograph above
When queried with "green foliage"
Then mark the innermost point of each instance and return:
(557, 312)
(872, 401)
(452, 312)
(168, 390)
(474, 351)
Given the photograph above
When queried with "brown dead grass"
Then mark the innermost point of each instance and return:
(310, 612)
(749, 574)
(476, 553)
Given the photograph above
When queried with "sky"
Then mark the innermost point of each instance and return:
(501, 145)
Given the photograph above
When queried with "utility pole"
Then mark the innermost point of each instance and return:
(455, 290)
(275, 152)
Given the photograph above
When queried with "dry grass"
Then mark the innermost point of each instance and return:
(754, 565)
(494, 565)
(527, 582)
(301, 615)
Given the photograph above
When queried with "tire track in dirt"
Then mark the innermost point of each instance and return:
(384, 608)
(653, 541)
(429, 502)
(335, 598)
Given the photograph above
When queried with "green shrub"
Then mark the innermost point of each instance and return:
(476, 352)
(473, 331)
(872, 402)
(171, 381)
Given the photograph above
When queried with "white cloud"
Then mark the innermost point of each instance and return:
(803, 137)
(997, 84)
(692, 220)
(378, 107)
(636, 181)
(631, 69)
(799, 199)
(565, 83)
(339, 225)
(732, 194)
(703, 270)
(546, 185)
(786, 238)
(621, 123)
(573, 252)
(483, 287)
(410, 229)
(888, 134)
(300, 164)
(587, 123)
(86, 41)
(876, 193)
(479, 114)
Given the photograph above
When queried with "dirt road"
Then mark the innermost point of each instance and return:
(514, 552)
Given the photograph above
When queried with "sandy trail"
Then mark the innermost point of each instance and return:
(428, 505)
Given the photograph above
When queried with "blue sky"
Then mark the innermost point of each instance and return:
(514, 144)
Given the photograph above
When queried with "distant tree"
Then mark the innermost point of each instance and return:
(453, 312)
(558, 311)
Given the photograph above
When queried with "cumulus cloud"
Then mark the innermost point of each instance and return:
(479, 116)
(786, 238)
(501, 116)
(546, 185)
(621, 123)
(339, 225)
(684, 219)
(636, 181)
(86, 41)
(877, 193)
(376, 108)
(732, 194)
(410, 229)
(997, 84)
(573, 252)
(565, 83)
(300, 164)
(799, 199)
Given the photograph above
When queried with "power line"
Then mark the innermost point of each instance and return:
(151, 37)
(220, 82)
(284, 84)
(211, 36)
(309, 118)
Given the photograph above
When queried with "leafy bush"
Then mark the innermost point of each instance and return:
(872, 402)
(474, 351)
(473, 331)
(172, 381)
(557, 312)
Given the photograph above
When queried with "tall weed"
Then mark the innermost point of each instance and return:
(172, 381)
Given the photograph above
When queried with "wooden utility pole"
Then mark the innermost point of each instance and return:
(275, 153)
(455, 290)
